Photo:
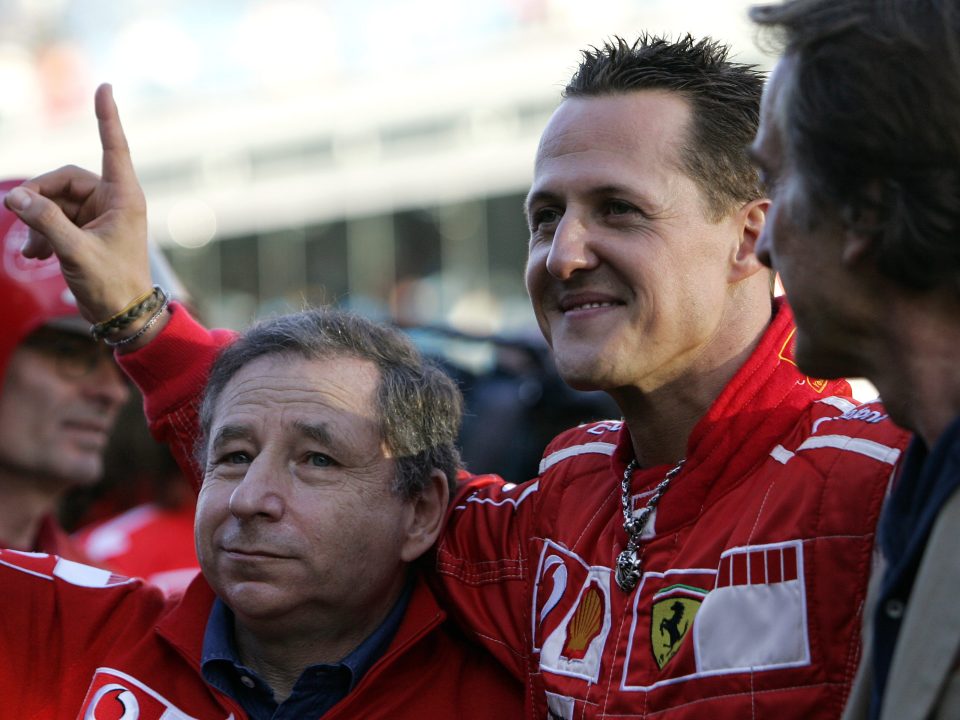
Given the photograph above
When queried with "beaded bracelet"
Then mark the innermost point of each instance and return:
(136, 309)
(146, 326)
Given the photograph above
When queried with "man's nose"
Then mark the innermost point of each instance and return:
(107, 382)
(572, 247)
(258, 494)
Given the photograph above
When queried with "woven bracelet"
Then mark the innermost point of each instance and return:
(137, 309)
(146, 326)
(130, 306)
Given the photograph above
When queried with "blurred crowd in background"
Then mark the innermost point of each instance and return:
(323, 164)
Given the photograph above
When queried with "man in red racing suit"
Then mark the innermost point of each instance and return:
(706, 558)
(755, 561)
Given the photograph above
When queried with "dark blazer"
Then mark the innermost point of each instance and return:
(924, 682)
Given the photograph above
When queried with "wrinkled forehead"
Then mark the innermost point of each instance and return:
(333, 382)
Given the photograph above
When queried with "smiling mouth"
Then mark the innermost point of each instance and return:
(575, 306)
(589, 306)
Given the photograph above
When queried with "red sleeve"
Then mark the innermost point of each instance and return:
(481, 566)
(59, 619)
(171, 372)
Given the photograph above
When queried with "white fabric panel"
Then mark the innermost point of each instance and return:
(752, 627)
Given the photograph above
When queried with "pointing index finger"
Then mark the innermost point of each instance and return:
(117, 165)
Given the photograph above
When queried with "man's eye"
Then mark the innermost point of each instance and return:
(320, 460)
(544, 216)
(68, 348)
(619, 207)
(235, 458)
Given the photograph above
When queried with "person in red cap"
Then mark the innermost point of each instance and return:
(60, 396)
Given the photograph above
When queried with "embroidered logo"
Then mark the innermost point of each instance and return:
(866, 414)
(586, 623)
(605, 427)
(571, 613)
(560, 707)
(671, 617)
(115, 695)
(786, 353)
(113, 702)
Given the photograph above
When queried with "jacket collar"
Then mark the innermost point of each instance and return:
(184, 626)
(753, 412)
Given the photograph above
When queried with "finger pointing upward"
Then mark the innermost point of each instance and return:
(117, 165)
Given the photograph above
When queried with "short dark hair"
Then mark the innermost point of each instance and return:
(870, 123)
(419, 406)
(724, 99)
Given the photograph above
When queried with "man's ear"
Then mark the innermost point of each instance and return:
(858, 245)
(750, 220)
(425, 516)
(862, 224)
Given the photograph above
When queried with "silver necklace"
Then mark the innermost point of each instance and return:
(629, 567)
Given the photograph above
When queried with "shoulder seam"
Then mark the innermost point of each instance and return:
(591, 448)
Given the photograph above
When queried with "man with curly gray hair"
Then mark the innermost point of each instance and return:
(859, 144)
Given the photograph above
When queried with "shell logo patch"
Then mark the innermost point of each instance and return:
(571, 613)
(586, 623)
(671, 617)
(817, 385)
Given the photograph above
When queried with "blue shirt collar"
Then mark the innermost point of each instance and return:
(319, 687)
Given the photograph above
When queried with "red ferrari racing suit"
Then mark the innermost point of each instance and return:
(755, 563)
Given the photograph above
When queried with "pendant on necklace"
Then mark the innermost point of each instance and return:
(629, 567)
(629, 570)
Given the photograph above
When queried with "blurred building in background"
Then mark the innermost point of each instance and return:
(373, 153)
(369, 153)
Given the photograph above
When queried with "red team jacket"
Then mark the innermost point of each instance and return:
(756, 562)
(82, 643)
(147, 541)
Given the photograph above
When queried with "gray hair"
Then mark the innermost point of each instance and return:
(869, 120)
(418, 405)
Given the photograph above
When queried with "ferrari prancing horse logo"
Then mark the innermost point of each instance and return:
(671, 617)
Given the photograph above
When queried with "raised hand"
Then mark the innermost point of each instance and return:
(97, 226)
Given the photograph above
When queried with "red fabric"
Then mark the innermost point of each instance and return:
(171, 372)
(774, 479)
(77, 646)
(148, 542)
(755, 573)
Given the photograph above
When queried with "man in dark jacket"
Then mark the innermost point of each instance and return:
(860, 146)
